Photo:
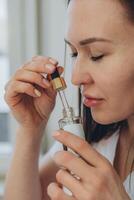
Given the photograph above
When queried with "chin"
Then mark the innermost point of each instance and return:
(104, 119)
(103, 122)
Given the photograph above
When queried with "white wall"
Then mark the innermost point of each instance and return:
(53, 22)
(40, 31)
(23, 39)
(52, 27)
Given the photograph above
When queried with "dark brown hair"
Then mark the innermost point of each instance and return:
(129, 7)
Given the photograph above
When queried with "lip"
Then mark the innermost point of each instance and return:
(91, 97)
(91, 101)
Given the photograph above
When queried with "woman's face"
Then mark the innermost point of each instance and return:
(110, 76)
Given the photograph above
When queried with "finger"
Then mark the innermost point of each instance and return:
(81, 171)
(60, 70)
(83, 148)
(55, 192)
(45, 59)
(43, 69)
(7, 84)
(31, 77)
(18, 87)
(40, 65)
(65, 178)
(75, 165)
(71, 183)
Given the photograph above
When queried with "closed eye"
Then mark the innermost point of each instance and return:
(93, 58)
(96, 58)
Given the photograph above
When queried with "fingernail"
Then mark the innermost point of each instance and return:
(50, 67)
(53, 61)
(37, 92)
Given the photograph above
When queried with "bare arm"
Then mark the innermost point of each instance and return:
(25, 179)
(31, 99)
(23, 176)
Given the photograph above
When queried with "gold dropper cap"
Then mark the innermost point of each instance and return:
(58, 82)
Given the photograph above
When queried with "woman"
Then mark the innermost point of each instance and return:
(101, 37)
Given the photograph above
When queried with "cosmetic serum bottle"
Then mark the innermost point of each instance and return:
(69, 121)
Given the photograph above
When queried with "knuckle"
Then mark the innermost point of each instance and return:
(63, 157)
(6, 97)
(8, 88)
(101, 181)
(100, 184)
(40, 58)
(59, 175)
(26, 64)
(7, 85)
(35, 57)
(18, 73)
(82, 145)
(107, 169)
(36, 78)
(28, 87)
(19, 70)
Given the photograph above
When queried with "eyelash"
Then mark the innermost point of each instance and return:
(97, 58)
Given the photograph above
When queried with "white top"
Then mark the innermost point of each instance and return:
(106, 147)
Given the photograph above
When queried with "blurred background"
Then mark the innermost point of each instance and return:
(29, 28)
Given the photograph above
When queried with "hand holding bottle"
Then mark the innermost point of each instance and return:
(29, 95)
(95, 172)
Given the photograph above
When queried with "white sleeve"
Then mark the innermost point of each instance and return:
(57, 146)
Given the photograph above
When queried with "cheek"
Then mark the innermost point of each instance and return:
(118, 92)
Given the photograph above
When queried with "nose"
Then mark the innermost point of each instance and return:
(80, 73)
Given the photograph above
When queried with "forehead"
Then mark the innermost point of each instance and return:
(94, 18)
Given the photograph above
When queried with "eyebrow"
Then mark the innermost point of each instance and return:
(89, 41)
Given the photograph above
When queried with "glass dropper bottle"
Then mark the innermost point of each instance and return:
(69, 121)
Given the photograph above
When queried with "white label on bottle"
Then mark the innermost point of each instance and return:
(76, 129)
